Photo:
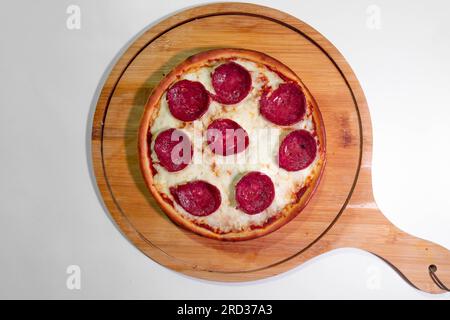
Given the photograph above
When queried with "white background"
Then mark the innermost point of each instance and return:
(51, 216)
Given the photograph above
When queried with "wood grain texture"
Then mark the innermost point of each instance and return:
(342, 213)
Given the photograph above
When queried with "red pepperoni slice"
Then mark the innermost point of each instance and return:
(284, 106)
(199, 198)
(226, 137)
(173, 149)
(254, 192)
(232, 83)
(297, 151)
(188, 100)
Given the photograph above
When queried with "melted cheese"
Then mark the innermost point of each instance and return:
(224, 172)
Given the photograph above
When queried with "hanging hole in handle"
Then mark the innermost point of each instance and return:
(432, 268)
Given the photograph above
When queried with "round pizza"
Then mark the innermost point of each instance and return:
(231, 144)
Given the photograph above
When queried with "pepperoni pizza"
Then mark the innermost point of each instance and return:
(231, 144)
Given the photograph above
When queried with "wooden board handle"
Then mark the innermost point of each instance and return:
(415, 259)
(424, 264)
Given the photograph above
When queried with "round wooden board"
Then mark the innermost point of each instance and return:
(121, 116)
(348, 133)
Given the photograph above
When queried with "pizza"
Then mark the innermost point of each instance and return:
(231, 144)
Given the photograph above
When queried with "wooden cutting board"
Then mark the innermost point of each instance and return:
(342, 213)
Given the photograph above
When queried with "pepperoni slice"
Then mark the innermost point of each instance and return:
(284, 106)
(254, 192)
(297, 151)
(226, 137)
(173, 149)
(188, 100)
(232, 83)
(199, 198)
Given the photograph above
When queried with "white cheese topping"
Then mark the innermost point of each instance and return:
(224, 172)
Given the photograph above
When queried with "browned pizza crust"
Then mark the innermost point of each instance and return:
(197, 61)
